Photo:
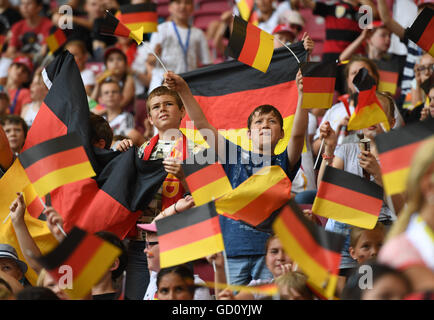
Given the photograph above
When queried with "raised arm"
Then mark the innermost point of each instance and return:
(296, 142)
(388, 20)
(349, 51)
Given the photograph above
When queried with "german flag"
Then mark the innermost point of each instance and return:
(247, 11)
(422, 30)
(232, 88)
(56, 40)
(6, 155)
(136, 16)
(250, 45)
(316, 251)
(191, 235)
(113, 27)
(87, 258)
(258, 197)
(318, 84)
(56, 162)
(396, 149)
(389, 75)
(348, 198)
(34, 204)
(368, 110)
(123, 185)
(206, 181)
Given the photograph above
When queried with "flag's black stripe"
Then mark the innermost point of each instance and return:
(188, 218)
(234, 76)
(419, 25)
(198, 161)
(136, 8)
(238, 37)
(405, 136)
(319, 69)
(352, 182)
(64, 250)
(363, 81)
(109, 24)
(328, 240)
(391, 65)
(48, 148)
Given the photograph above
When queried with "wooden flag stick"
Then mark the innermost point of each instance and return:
(226, 267)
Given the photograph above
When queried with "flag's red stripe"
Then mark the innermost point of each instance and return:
(43, 131)
(55, 162)
(329, 260)
(349, 198)
(83, 253)
(318, 85)
(282, 96)
(60, 37)
(398, 158)
(190, 234)
(139, 17)
(122, 30)
(386, 76)
(251, 45)
(426, 40)
(205, 176)
(35, 208)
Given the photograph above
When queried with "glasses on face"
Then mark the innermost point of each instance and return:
(426, 68)
(150, 243)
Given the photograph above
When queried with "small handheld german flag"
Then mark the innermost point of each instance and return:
(250, 45)
(247, 11)
(56, 40)
(136, 16)
(422, 30)
(318, 84)
(190, 235)
(315, 250)
(368, 111)
(206, 181)
(396, 149)
(389, 74)
(348, 198)
(113, 27)
(56, 162)
(87, 258)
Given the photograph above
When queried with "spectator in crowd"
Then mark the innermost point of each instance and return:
(293, 286)
(38, 91)
(10, 264)
(366, 244)
(45, 280)
(428, 111)
(181, 46)
(175, 283)
(15, 129)
(19, 75)
(101, 135)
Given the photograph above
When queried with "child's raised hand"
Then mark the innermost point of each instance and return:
(124, 145)
(299, 81)
(174, 81)
(308, 43)
(54, 220)
(226, 294)
(17, 209)
(328, 134)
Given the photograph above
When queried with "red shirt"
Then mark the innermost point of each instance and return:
(20, 28)
(22, 99)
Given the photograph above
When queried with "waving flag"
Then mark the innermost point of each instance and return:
(232, 88)
(316, 251)
(143, 15)
(250, 45)
(396, 149)
(422, 30)
(348, 198)
(56, 40)
(86, 256)
(247, 11)
(368, 110)
(113, 27)
(389, 75)
(318, 84)
(191, 235)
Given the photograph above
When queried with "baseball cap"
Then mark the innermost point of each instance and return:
(24, 61)
(7, 251)
(151, 227)
(281, 28)
(110, 50)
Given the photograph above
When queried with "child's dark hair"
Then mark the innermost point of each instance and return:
(163, 91)
(265, 109)
(111, 81)
(182, 270)
(14, 119)
(100, 129)
(352, 290)
(123, 257)
(371, 64)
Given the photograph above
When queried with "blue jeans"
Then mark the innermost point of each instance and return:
(305, 197)
(243, 269)
(137, 278)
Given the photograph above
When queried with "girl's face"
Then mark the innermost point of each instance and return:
(117, 64)
(388, 287)
(368, 246)
(51, 284)
(380, 39)
(173, 287)
(276, 257)
(352, 72)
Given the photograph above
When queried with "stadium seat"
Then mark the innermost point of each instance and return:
(314, 25)
(203, 19)
(163, 8)
(213, 5)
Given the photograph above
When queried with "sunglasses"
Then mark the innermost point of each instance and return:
(150, 243)
(429, 67)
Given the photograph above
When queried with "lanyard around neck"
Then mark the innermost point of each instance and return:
(187, 42)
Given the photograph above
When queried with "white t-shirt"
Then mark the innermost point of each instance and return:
(172, 53)
(88, 77)
(122, 124)
(199, 294)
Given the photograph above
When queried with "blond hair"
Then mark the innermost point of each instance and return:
(422, 161)
(356, 232)
(295, 280)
